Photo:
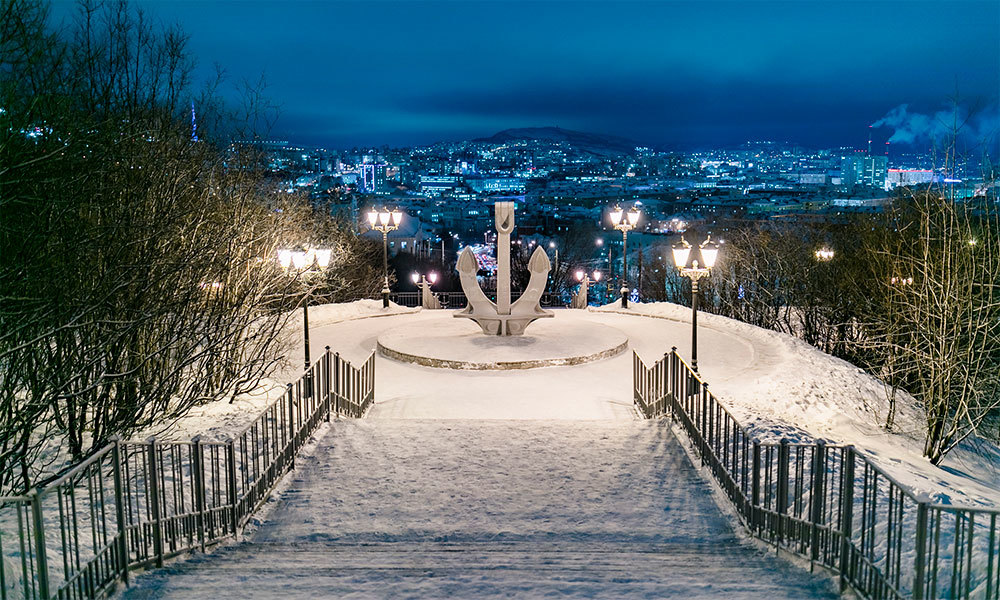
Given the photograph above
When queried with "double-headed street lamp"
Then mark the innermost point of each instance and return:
(709, 252)
(424, 283)
(580, 299)
(385, 220)
(303, 263)
(624, 222)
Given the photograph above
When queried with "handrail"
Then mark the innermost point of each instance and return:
(829, 503)
(134, 504)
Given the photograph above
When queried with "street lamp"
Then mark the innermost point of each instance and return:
(305, 263)
(385, 220)
(580, 299)
(624, 222)
(555, 270)
(824, 254)
(709, 253)
(427, 299)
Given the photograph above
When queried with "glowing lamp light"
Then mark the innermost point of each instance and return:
(415, 277)
(383, 217)
(397, 217)
(285, 258)
(579, 275)
(616, 215)
(825, 254)
(299, 260)
(597, 275)
(681, 253)
(552, 244)
(633, 216)
(323, 257)
(709, 252)
(373, 217)
(433, 277)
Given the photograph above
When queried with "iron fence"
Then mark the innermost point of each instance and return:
(829, 503)
(458, 299)
(134, 504)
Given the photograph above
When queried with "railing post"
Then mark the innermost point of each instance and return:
(816, 496)
(704, 420)
(116, 456)
(710, 411)
(920, 554)
(326, 383)
(846, 515)
(337, 383)
(231, 484)
(781, 502)
(154, 503)
(291, 427)
(664, 374)
(199, 488)
(755, 487)
(38, 532)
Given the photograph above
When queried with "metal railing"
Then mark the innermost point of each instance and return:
(458, 300)
(827, 503)
(134, 504)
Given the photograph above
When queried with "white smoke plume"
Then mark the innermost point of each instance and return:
(919, 128)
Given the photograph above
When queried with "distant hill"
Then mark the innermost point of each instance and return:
(595, 142)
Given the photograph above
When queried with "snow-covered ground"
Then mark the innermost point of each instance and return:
(775, 384)
(793, 390)
(402, 508)
(219, 421)
(544, 481)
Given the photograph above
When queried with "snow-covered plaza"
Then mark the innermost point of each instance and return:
(545, 481)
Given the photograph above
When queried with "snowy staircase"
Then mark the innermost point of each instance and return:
(388, 508)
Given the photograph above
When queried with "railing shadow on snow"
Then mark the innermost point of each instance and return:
(132, 505)
(829, 504)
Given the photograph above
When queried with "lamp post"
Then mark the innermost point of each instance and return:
(386, 220)
(624, 222)
(303, 263)
(824, 254)
(709, 252)
(580, 300)
(427, 299)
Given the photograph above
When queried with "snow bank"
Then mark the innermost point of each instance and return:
(797, 392)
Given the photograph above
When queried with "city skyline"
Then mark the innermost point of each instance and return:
(669, 75)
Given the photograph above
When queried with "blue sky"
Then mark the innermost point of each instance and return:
(669, 74)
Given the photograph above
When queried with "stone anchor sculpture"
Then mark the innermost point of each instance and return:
(502, 317)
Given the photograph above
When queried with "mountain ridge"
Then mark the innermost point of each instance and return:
(582, 139)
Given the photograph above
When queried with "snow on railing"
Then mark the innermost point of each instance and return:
(134, 504)
(829, 504)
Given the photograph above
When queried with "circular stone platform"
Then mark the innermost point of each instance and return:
(460, 344)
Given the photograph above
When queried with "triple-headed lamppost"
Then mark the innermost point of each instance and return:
(709, 252)
(624, 224)
(385, 220)
(304, 263)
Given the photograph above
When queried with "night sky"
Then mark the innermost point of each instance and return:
(669, 74)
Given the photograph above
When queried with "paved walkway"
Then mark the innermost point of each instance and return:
(474, 509)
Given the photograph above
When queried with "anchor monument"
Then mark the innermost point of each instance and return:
(502, 317)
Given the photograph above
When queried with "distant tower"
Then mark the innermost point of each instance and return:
(194, 124)
(869, 140)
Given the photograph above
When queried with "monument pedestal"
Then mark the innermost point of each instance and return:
(461, 345)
